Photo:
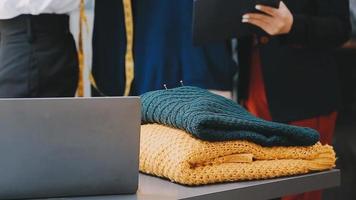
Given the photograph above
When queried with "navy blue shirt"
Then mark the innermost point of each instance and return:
(163, 49)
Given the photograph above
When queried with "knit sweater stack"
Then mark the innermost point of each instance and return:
(193, 137)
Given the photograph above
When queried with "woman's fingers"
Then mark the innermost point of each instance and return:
(268, 10)
(273, 21)
(259, 23)
(255, 16)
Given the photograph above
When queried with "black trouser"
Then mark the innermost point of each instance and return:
(38, 57)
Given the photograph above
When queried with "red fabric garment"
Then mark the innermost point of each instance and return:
(257, 104)
(256, 101)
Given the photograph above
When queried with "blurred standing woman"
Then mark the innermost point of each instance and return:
(291, 75)
(38, 57)
(163, 49)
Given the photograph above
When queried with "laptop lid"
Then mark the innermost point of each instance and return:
(219, 20)
(69, 147)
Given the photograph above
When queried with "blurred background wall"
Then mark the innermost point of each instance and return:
(345, 135)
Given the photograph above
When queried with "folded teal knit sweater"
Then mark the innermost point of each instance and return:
(214, 118)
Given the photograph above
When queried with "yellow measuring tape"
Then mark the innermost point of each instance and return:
(82, 20)
(129, 59)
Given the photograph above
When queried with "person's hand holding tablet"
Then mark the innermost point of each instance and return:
(274, 21)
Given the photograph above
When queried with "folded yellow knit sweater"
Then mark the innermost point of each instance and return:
(174, 154)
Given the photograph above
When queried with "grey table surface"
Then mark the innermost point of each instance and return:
(152, 188)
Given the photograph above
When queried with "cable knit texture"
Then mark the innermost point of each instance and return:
(176, 155)
(211, 117)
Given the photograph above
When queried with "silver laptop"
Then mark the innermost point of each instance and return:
(68, 147)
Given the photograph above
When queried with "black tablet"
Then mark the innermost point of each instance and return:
(218, 20)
